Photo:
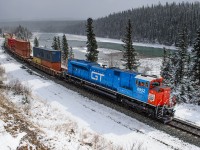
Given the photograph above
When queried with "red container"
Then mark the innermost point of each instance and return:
(11, 43)
(22, 48)
(52, 65)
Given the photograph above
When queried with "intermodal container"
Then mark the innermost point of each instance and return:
(47, 54)
(22, 45)
(25, 54)
(11, 43)
(22, 48)
(37, 60)
(52, 65)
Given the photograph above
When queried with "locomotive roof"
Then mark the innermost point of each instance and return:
(146, 78)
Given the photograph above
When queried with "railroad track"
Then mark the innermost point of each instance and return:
(185, 126)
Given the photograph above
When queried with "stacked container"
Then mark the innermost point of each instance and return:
(22, 48)
(10, 43)
(47, 57)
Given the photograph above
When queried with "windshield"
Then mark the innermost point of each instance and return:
(155, 84)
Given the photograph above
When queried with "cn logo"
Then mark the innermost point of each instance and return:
(96, 76)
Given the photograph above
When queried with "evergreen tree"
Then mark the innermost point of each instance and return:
(182, 76)
(182, 46)
(36, 42)
(195, 63)
(164, 67)
(170, 69)
(22, 33)
(65, 49)
(92, 52)
(55, 43)
(129, 51)
(71, 53)
(196, 60)
(58, 43)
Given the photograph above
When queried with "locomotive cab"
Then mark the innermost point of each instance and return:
(158, 96)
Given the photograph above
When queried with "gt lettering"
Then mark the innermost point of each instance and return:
(96, 76)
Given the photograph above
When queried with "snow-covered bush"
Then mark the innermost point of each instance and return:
(20, 89)
(2, 74)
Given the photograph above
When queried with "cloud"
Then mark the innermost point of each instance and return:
(63, 9)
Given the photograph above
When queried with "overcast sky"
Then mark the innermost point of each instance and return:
(68, 9)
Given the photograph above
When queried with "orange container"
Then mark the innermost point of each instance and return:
(52, 65)
(22, 45)
(23, 53)
(22, 48)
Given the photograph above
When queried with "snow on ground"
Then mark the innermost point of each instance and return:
(56, 109)
(7, 141)
(188, 112)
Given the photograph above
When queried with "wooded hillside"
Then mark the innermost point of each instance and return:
(152, 24)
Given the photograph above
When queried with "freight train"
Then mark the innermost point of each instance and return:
(138, 91)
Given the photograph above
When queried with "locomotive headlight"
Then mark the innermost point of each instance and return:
(151, 97)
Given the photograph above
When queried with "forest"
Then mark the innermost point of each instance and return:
(152, 24)
(159, 24)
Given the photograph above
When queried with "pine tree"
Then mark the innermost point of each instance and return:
(196, 59)
(58, 43)
(71, 54)
(65, 49)
(22, 33)
(36, 42)
(164, 67)
(129, 51)
(55, 43)
(182, 46)
(182, 76)
(195, 65)
(168, 69)
(92, 52)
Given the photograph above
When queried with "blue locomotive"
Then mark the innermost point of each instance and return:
(134, 89)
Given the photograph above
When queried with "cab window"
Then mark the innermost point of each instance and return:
(147, 84)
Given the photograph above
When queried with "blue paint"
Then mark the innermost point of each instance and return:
(47, 54)
(124, 82)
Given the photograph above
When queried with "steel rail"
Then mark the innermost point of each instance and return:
(185, 126)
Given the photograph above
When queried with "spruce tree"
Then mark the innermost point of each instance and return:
(36, 42)
(58, 43)
(164, 67)
(196, 59)
(130, 54)
(71, 53)
(182, 46)
(170, 69)
(92, 52)
(65, 49)
(195, 63)
(22, 33)
(55, 43)
(182, 76)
